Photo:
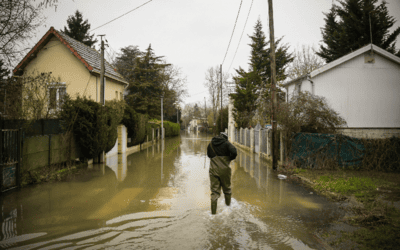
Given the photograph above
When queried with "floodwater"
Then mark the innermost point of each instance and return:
(159, 198)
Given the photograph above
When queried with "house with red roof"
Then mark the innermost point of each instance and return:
(76, 65)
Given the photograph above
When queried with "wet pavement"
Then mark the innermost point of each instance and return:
(159, 198)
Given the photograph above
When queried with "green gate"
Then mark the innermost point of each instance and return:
(10, 158)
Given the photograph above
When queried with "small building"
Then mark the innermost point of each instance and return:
(75, 64)
(363, 87)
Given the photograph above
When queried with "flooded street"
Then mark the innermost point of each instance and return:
(159, 198)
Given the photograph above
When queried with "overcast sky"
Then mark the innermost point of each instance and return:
(194, 34)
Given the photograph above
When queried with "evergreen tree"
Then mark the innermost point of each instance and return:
(126, 62)
(79, 29)
(145, 86)
(256, 83)
(244, 97)
(347, 28)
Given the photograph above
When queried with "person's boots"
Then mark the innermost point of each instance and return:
(214, 207)
(228, 199)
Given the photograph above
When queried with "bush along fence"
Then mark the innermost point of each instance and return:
(48, 144)
(329, 151)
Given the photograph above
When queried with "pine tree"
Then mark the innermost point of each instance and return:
(145, 87)
(244, 97)
(256, 83)
(79, 29)
(347, 28)
(126, 62)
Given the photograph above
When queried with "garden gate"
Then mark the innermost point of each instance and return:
(10, 158)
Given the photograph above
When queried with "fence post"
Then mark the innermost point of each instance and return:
(240, 136)
(152, 135)
(245, 135)
(252, 139)
(269, 142)
(281, 147)
(260, 142)
(119, 138)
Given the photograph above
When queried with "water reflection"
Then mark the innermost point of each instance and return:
(159, 198)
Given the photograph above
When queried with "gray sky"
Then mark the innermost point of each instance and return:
(194, 35)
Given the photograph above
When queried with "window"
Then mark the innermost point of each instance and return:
(57, 92)
(120, 94)
(116, 95)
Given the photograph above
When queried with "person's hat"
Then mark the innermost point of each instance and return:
(224, 135)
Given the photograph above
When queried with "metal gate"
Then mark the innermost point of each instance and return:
(10, 158)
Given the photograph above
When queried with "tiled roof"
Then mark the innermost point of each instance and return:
(89, 56)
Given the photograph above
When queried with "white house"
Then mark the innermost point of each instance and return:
(363, 87)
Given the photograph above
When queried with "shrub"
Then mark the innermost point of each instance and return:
(171, 129)
(135, 124)
(94, 126)
(382, 154)
(149, 127)
(307, 113)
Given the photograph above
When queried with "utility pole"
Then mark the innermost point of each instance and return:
(273, 77)
(220, 70)
(102, 86)
(162, 117)
(205, 115)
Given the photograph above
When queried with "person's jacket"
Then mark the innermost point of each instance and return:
(222, 147)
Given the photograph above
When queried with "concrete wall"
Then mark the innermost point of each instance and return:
(122, 139)
(371, 133)
(40, 151)
(114, 150)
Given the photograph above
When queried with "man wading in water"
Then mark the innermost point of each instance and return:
(221, 152)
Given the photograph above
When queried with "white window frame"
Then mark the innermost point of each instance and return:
(58, 86)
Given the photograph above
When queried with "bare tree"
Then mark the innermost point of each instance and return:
(305, 61)
(18, 21)
(213, 84)
(32, 97)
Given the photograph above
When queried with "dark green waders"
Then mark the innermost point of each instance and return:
(220, 176)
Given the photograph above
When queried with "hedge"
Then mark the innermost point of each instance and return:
(94, 125)
(171, 129)
(135, 124)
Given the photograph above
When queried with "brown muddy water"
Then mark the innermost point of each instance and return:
(159, 198)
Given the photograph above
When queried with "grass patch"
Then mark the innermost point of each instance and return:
(381, 227)
(344, 185)
(379, 221)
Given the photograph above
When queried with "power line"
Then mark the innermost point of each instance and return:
(248, 14)
(199, 93)
(233, 31)
(121, 15)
